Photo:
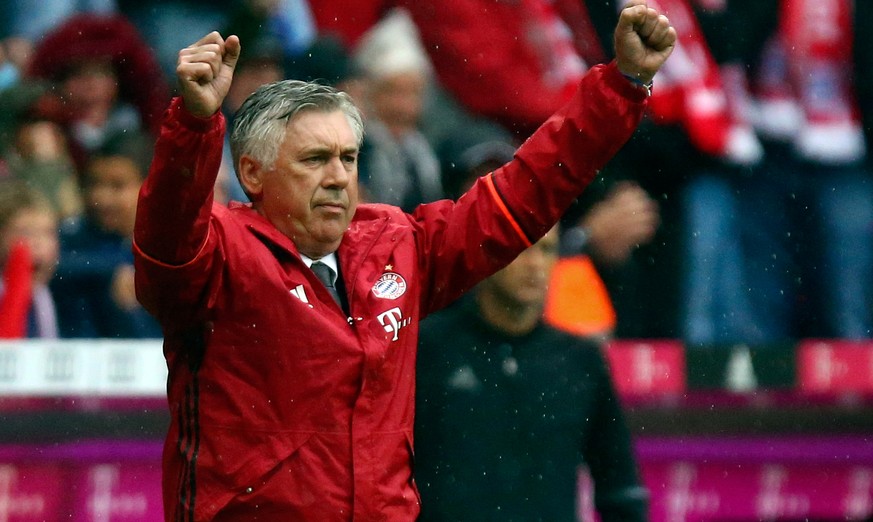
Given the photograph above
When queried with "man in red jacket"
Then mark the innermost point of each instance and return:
(291, 323)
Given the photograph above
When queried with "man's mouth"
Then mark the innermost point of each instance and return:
(331, 205)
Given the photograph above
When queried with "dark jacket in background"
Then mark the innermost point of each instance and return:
(503, 423)
(82, 286)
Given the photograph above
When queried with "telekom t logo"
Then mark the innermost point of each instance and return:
(107, 503)
(14, 504)
(393, 321)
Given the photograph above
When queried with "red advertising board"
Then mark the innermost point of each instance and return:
(835, 366)
(647, 367)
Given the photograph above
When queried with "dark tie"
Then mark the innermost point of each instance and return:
(325, 274)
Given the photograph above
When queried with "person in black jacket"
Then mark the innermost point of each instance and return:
(508, 409)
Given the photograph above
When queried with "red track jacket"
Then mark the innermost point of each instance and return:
(282, 407)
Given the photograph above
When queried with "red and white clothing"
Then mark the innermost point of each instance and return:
(283, 407)
(512, 61)
(805, 86)
(706, 100)
(27, 309)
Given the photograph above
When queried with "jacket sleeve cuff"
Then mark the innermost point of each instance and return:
(190, 121)
(622, 85)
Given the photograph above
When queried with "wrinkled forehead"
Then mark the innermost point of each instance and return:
(315, 123)
(343, 106)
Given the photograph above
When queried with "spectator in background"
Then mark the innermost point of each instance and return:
(106, 78)
(521, 65)
(508, 409)
(34, 148)
(615, 225)
(28, 256)
(604, 237)
(398, 165)
(39, 157)
(688, 154)
(94, 282)
(706, 95)
(812, 217)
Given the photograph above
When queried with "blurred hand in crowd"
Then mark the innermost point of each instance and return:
(627, 218)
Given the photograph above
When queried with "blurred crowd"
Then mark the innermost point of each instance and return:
(740, 213)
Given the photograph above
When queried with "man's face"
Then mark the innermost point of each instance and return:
(398, 99)
(524, 282)
(92, 84)
(311, 192)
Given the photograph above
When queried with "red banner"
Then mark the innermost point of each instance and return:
(835, 366)
(647, 367)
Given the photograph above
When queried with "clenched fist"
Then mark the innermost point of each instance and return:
(204, 71)
(644, 40)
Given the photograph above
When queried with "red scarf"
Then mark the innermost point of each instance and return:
(691, 91)
(16, 296)
(819, 35)
(779, 116)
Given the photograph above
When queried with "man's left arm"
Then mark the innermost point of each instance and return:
(510, 209)
(601, 118)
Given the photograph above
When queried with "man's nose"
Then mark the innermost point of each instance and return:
(336, 174)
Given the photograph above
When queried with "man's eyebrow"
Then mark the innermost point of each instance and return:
(317, 150)
(321, 150)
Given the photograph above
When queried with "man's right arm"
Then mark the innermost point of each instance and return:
(176, 198)
(175, 201)
(173, 213)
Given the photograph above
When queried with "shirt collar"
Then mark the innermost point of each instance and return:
(329, 260)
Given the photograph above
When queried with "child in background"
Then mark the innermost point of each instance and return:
(28, 257)
(94, 283)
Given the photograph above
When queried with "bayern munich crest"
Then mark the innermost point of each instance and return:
(390, 285)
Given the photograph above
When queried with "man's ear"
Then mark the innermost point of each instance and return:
(251, 175)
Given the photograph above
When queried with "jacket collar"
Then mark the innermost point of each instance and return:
(261, 227)
(366, 227)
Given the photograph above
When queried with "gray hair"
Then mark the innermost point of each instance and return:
(260, 123)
